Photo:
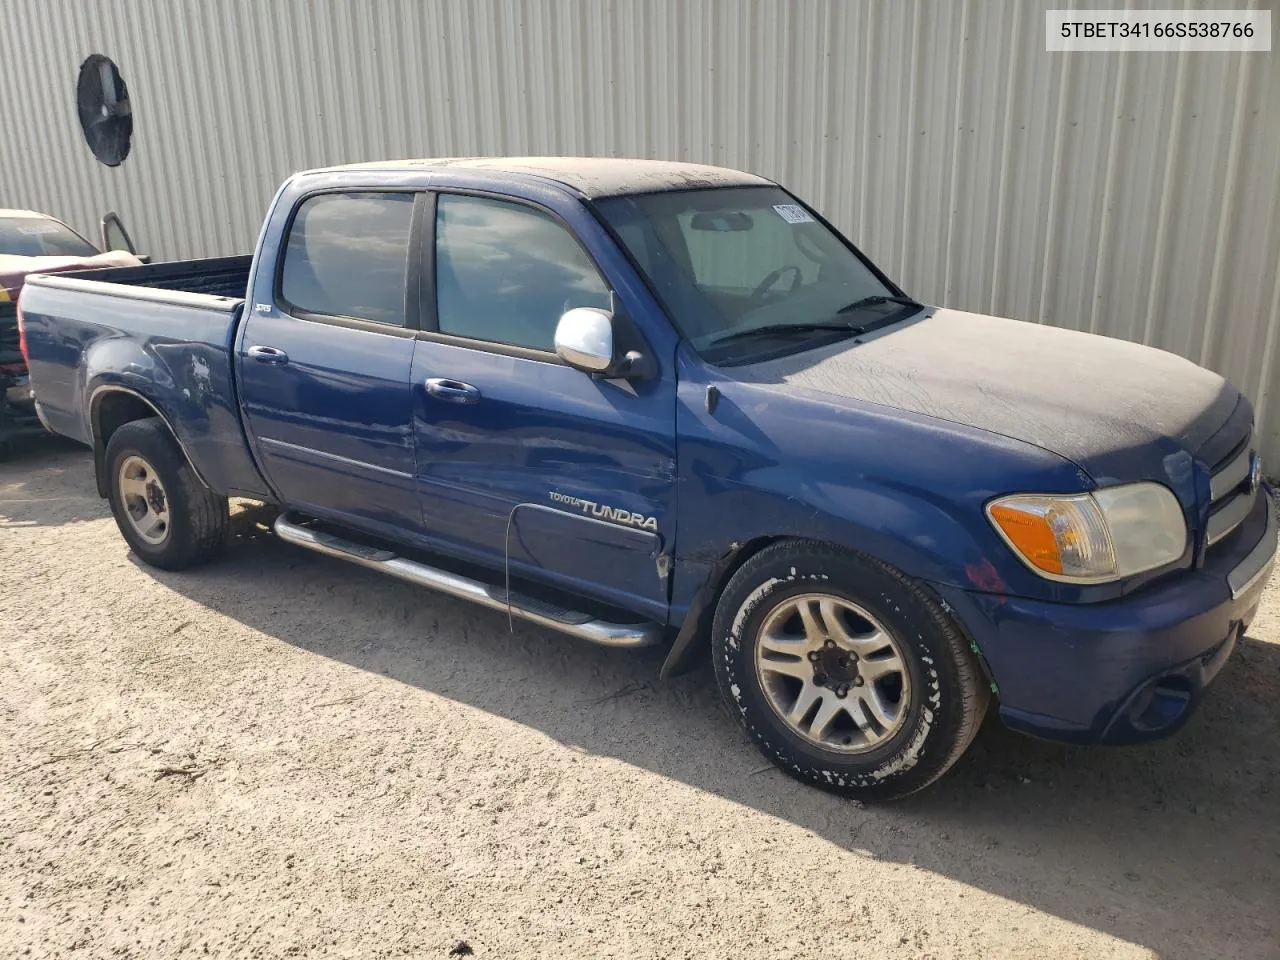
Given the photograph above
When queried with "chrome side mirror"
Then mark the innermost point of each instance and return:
(584, 339)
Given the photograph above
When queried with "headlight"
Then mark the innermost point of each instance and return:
(1093, 537)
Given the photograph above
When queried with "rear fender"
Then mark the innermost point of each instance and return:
(189, 385)
(110, 407)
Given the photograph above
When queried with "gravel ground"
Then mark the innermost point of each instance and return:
(284, 755)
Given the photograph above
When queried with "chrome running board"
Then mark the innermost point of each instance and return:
(554, 617)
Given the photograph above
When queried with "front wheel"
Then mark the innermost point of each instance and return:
(170, 519)
(846, 674)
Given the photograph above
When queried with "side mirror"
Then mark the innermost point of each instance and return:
(115, 236)
(584, 339)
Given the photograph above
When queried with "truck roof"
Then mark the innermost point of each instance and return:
(591, 177)
(23, 215)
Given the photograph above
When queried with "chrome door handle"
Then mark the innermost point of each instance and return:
(452, 391)
(267, 355)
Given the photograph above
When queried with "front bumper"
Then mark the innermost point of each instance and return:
(1127, 670)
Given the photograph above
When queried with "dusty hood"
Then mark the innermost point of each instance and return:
(1079, 395)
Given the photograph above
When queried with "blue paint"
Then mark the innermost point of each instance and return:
(1067, 670)
(543, 428)
(332, 427)
(349, 431)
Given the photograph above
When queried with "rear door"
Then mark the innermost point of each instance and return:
(521, 457)
(325, 359)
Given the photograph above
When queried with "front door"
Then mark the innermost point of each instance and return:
(324, 369)
(521, 457)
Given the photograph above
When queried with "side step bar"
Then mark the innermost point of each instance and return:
(572, 622)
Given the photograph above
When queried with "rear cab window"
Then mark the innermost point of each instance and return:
(347, 256)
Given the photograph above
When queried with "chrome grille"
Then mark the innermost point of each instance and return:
(1233, 494)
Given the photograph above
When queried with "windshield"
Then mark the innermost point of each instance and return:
(41, 237)
(732, 259)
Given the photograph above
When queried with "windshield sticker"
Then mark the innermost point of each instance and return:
(793, 213)
(42, 227)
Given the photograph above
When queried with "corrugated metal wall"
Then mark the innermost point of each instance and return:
(1135, 195)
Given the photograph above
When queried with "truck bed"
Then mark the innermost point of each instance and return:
(161, 333)
(216, 276)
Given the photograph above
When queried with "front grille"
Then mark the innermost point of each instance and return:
(1232, 492)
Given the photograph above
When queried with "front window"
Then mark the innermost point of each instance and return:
(505, 272)
(41, 237)
(733, 259)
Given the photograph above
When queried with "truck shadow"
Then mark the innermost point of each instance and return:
(1119, 840)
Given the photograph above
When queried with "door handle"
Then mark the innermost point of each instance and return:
(268, 355)
(452, 391)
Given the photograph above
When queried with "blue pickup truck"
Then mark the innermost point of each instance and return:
(662, 403)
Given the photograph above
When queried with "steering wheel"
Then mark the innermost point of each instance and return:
(774, 276)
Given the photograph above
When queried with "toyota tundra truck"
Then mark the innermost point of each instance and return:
(648, 403)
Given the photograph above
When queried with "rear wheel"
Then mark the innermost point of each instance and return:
(170, 519)
(846, 674)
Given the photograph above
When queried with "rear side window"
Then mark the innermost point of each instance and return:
(505, 272)
(347, 256)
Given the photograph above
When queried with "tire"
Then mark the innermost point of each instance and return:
(793, 620)
(170, 519)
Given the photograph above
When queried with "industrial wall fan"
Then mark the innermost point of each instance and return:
(105, 117)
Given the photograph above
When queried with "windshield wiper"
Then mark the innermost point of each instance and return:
(854, 329)
(884, 321)
(783, 329)
(876, 300)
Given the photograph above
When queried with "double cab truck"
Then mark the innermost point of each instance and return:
(647, 403)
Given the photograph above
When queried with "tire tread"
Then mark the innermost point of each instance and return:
(972, 688)
(204, 514)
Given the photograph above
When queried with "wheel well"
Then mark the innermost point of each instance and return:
(732, 561)
(695, 633)
(694, 637)
(112, 411)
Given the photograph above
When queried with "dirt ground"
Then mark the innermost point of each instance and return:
(284, 755)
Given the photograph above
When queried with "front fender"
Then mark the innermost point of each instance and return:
(908, 490)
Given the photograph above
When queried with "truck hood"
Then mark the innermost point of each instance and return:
(1094, 400)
